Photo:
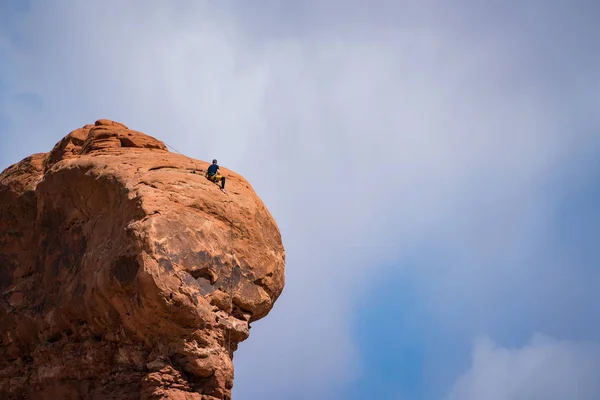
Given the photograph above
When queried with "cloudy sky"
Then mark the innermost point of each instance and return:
(434, 168)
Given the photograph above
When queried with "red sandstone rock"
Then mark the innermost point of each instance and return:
(124, 275)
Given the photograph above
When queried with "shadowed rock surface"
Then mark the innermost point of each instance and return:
(124, 275)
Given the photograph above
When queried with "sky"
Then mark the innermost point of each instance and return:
(433, 166)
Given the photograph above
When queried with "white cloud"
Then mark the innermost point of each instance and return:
(546, 369)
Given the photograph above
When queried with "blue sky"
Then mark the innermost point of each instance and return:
(432, 165)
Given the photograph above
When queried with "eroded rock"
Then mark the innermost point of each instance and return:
(125, 275)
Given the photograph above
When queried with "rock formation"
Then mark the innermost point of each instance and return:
(125, 273)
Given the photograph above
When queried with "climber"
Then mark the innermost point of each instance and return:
(213, 174)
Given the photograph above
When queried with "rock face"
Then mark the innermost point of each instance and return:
(124, 274)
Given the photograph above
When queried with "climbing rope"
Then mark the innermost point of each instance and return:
(173, 148)
(180, 153)
(230, 281)
(230, 288)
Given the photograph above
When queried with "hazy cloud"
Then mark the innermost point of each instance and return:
(545, 369)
